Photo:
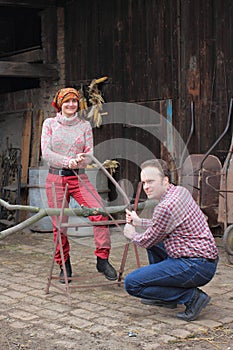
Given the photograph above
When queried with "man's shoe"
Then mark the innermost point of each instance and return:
(167, 304)
(103, 266)
(68, 271)
(194, 308)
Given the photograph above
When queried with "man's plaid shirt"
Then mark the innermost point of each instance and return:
(179, 222)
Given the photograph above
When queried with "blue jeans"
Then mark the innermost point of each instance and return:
(169, 279)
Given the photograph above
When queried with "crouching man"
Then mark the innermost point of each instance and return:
(181, 248)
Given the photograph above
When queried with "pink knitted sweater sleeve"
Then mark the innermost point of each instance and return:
(61, 142)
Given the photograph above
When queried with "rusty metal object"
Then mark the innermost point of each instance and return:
(125, 253)
(187, 142)
(228, 240)
(211, 184)
(202, 179)
(193, 77)
(225, 214)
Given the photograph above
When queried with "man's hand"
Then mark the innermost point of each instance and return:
(129, 231)
(133, 218)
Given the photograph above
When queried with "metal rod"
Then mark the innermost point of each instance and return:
(221, 136)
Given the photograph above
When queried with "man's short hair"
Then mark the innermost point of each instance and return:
(159, 164)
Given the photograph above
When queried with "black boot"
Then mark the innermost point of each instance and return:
(103, 266)
(68, 271)
(194, 308)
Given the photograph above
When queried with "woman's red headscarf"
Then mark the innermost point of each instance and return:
(63, 95)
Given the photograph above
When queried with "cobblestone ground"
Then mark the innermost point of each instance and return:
(104, 317)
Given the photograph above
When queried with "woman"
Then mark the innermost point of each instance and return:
(65, 141)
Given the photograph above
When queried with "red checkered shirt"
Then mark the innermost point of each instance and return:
(179, 222)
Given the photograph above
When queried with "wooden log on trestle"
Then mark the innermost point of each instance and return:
(83, 211)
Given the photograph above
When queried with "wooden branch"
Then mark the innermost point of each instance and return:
(18, 207)
(83, 211)
(22, 225)
(41, 213)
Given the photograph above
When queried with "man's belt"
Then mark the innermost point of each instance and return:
(210, 260)
(66, 172)
(201, 257)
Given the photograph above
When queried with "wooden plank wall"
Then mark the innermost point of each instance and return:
(206, 74)
(123, 40)
(127, 42)
(152, 51)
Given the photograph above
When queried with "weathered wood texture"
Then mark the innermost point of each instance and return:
(29, 3)
(22, 43)
(134, 43)
(25, 147)
(155, 50)
(206, 57)
(28, 70)
(49, 36)
(155, 53)
(35, 153)
(33, 55)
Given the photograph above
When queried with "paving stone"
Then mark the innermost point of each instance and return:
(67, 330)
(49, 314)
(22, 315)
(181, 333)
(99, 313)
(165, 338)
(18, 325)
(99, 328)
(153, 346)
(83, 314)
(79, 323)
(14, 294)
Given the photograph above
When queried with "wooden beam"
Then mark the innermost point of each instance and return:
(25, 156)
(29, 3)
(35, 154)
(25, 145)
(28, 70)
(29, 56)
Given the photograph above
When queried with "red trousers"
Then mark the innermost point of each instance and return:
(78, 190)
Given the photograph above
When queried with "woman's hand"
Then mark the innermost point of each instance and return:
(73, 163)
(80, 157)
(133, 218)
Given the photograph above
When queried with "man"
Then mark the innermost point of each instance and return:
(181, 248)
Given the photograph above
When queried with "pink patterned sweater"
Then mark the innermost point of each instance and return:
(63, 138)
